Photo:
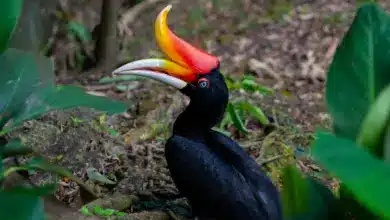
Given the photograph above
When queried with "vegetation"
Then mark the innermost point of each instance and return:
(356, 152)
(358, 94)
(28, 90)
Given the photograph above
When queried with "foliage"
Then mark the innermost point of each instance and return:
(240, 112)
(358, 97)
(97, 210)
(9, 15)
(305, 198)
(247, 83)
(23, 203)
(28, 90)
(77, 34)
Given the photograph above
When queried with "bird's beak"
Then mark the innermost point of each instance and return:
(185, 64)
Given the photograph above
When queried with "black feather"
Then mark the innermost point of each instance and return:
(217, 176)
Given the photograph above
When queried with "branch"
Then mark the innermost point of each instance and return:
(130, 16)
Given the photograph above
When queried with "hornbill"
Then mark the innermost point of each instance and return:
(220, 180)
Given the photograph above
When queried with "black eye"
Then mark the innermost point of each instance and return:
(203, 83)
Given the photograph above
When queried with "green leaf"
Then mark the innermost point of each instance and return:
(9, 16)
(251, 85)
(120, 214)
(103, 212)
(41, 190)
(359, 71)
(387, 144)
(84, 210)
(93, 174)
(353, 208)
(65, 97)
(113, 132)
(236, 119)
(15, 148)
(365, 176)
(80, 31)
(22, 75)
(305, 198)
(225, 121)
(23, 203)
(27, 90)
(374, 125)
(255, 112)
(295, 193)
(108, 212)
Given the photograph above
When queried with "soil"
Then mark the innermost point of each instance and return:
(286, 46)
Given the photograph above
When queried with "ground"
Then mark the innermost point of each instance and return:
(285, 46)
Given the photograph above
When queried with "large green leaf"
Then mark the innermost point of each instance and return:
(305, 198)
(386, 143)
(374, 126)
(295, 193)
(22, 74)
(365, 176)
(64, 97)
(14, 147)
(353, 208)
(9, 15)
(23, 203)
(360, 70)
(27, 90)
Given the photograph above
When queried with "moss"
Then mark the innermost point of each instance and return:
(280, 146)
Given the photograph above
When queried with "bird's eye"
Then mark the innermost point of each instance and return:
(203, 83)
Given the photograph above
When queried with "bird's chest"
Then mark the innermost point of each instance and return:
(196, 159)
(202, 175)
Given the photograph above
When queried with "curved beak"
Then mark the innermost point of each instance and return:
(185, 64)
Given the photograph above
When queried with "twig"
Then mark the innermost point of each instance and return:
(132, 14)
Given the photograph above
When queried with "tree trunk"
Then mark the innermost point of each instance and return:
(106, 44)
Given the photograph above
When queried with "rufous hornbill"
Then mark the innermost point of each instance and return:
(220, 180)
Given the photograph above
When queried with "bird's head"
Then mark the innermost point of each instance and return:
(192, 71)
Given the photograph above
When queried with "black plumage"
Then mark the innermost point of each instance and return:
(220, 180)
(217, 176)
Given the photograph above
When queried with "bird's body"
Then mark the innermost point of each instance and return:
(215, 187)
(218, 177)
(220, 180)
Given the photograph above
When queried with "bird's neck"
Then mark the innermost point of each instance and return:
(194, 124)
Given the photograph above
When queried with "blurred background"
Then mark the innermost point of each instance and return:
(284, 44)
(273, 53)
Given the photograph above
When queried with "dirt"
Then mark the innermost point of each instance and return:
(286, 46)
